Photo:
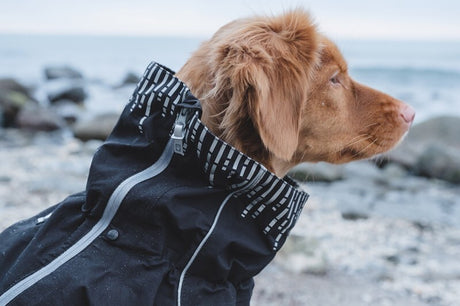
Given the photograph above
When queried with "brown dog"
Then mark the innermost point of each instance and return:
(280, 92)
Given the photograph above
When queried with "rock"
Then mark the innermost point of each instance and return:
(10, 105)
(37, 118)
(130, 78)
(439, 162)
(302, 255)
(13, 85)
(5, 179)
(394, 259)
(97, 128)
(357, 204)
(13, 97)
(431, 149)
(422, 225)
(433, 300)
(75, 93)
(59, 72)
(443, 131)
(319, 172)
(354, 215)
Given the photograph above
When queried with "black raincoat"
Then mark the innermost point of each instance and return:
(171, 215)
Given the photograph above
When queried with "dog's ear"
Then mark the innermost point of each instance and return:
(267, 67)
(275, 111)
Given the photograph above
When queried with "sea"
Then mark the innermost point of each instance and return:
(425, 74)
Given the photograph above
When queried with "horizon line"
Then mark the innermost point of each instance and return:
(204, 36)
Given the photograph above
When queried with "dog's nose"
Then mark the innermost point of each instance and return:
(408, 113)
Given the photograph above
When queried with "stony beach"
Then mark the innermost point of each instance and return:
(382, 232)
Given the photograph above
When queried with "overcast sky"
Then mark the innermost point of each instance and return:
(388, 19)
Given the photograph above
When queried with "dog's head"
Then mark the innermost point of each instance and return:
(280, 92)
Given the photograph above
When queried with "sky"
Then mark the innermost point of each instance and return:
(339, 19)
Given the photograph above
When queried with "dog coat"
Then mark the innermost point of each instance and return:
(171, 215)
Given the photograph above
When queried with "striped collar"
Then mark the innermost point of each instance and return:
(276, 203)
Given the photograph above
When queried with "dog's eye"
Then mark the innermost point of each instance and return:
(334, 80)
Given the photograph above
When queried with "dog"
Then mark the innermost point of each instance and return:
(183, 209)
(279, 91)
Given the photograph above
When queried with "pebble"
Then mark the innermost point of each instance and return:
(354, 215)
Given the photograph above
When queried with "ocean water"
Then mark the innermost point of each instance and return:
(423, 74)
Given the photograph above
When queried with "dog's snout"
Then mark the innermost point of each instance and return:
(407, 113)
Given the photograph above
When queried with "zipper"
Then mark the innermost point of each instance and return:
(110, 210)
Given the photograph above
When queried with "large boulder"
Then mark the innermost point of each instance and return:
(98, 127)
(439, 162)
(37, 118)
(13, 85)
(71, 92)
(443, 131)
(432, 148)
(65, 83)
(13, 97)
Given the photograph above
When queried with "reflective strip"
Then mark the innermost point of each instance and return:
(109, 212)
(200, 246)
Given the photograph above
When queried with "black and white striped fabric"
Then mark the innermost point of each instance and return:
(273, 202)
(157, 88)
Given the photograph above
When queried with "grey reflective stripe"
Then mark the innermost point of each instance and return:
(111, 209)
(257, 179)
(200, 246)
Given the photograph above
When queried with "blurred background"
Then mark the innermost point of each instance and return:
(380, 232)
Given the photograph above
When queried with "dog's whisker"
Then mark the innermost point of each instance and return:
(369, 125)
(361, 139)
(363, 150)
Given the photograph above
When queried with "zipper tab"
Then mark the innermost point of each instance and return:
(178, 138)
(179, 132)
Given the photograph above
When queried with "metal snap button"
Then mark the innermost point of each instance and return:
(112, 234)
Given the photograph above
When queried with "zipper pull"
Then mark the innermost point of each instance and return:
(179, 132)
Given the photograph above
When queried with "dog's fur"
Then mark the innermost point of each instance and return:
(279, 91)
